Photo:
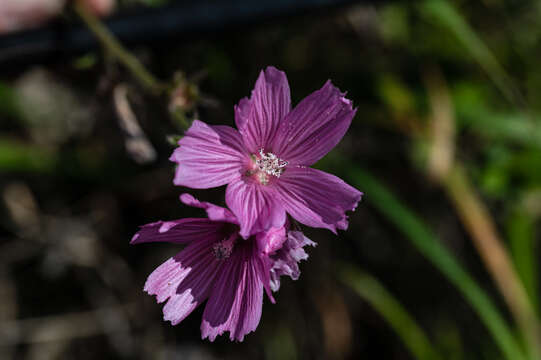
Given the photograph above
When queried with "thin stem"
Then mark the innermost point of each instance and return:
(479, 224)
(424, 239)
(473, 212)
(373, 292)
(115, 48)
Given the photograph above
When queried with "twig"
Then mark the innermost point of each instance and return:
(442, 125)
(115, 48)
(478, 222)
(137, 144)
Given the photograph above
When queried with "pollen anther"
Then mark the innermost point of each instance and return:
(270, 164)
(223, 249)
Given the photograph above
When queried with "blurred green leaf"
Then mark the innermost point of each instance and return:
(444, 14)
(85, 62)
(18, 156)
(394, 25)
(430, 246)
(370, 289)
(473, 113)
(8, 104)
(521, 234)
(396, 95)
(281, 345)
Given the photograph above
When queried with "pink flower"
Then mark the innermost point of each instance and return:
(265, 164)
(216, 265)
(23, 14)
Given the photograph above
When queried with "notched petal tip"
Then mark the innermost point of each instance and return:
(142, 235)
(274, 75)
(180, 231)
(258, 117)
(315, 126)
(318, 199)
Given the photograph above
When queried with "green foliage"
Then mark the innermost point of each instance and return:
(16, 156)
(370, 290)
(521, 235)
(424, 240)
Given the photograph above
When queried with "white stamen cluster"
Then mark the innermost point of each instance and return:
(270, 163)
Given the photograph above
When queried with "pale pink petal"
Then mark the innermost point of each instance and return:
(214, 212)
(208, 156)
(237, 299)
(255, 206)
(258, 118)
(314, 126)
(286, 260)
(186, 280)
(316, 198)
(194, 289)
(178, 231)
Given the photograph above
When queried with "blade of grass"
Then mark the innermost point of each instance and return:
(430, 246)
(521, 234)
(477, 220)
(373, 292)
(446, 15)
(117, 50)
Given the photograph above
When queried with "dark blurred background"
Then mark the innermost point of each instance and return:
(445, 145)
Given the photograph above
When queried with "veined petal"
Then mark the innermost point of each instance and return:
(258, 118)
(185, 279)
(237, 299)
(255, 206)
(314, 126)
(316, 198)
(194, 289)
(271, 240)
(214, 212)
(208, 156)
(178, 231)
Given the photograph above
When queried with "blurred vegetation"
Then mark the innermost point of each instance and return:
(441, 260)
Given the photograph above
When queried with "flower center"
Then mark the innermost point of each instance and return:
(223, 249)
(268, 164)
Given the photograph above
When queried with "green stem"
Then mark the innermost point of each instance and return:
(426, 242)
(522, 239)
(373, 292)
(115, 48)
(478, 222)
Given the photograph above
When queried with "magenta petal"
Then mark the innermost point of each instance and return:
(258, 118)
(270, 241)
(314, 127)
(316, 198)
(208, 156)
(178, 231)
(237, 299)
(186, 280)
(255, 206)
(214, 212)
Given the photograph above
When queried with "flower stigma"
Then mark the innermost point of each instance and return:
(223, 249)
